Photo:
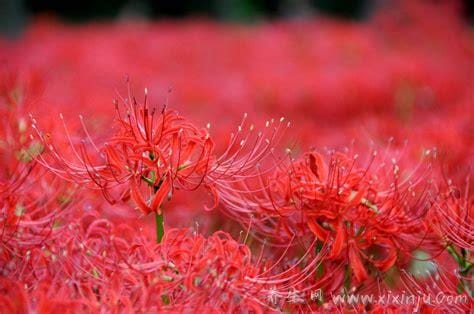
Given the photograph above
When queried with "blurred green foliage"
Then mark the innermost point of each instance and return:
(14, 13)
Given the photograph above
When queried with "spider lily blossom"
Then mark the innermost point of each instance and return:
(365, 222)
(152, 154)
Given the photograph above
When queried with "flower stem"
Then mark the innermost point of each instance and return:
(160, 228)
(464, 269)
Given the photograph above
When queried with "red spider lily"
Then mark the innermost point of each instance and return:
(163, 151)
(17, 149)
(33, 205)
(451, 220)
(363, 220)
(99, 266)
(210, 274)
(452, 217)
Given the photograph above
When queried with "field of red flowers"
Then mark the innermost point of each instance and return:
(293, 166)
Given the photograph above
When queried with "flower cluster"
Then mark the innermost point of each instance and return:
(134, 207)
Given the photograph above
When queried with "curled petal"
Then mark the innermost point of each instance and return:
(137, 198)
(356, 264)
(338, 243)
(318, 231)
(160, 195)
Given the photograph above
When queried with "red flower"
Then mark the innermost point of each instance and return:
(364, 216)
(161, 150)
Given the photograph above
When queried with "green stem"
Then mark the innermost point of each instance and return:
(454, 254)
(464, 269)
(160, 228)
(159, 221)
